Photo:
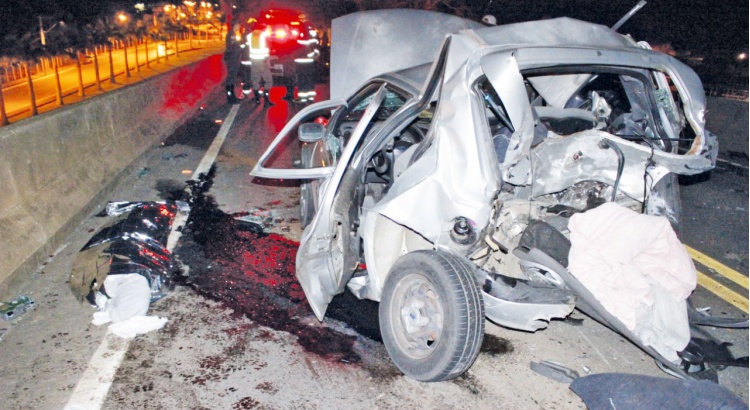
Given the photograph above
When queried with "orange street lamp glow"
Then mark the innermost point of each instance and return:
(122, 17)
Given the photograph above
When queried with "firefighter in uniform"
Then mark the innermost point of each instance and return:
(256, 69)
(305, 61)
(232, 56)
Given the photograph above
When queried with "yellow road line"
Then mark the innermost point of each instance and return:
(734, 298)
(722, 270)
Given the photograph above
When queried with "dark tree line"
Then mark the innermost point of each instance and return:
(51, 42)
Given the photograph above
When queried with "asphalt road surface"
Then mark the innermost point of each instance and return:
(241, 336)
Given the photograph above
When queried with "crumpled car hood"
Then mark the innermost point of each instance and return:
(376, 42)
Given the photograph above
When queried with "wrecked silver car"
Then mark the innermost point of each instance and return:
(440, 178)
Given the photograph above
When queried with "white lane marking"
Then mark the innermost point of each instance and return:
(213, 150)
(208, 160)
(94, 385)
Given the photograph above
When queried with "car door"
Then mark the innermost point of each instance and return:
(323, 254)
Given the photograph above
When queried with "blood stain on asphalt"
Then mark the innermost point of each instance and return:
(252, 272)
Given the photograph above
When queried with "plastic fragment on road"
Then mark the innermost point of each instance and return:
(143, 172)
(16, 307)
(554, 371)
(258, 216)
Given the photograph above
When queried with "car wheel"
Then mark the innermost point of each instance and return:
(431, 315)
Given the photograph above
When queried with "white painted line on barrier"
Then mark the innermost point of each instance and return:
(94, 385)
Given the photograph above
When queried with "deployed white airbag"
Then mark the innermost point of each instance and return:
(638, 269)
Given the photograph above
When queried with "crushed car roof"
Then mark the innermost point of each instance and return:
(371, 43)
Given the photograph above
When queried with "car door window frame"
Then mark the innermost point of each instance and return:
(296, 173)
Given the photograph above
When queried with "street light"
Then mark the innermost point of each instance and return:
(43, 32)
(742, 56)
(122, 17)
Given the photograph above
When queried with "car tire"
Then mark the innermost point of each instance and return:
(432, 315)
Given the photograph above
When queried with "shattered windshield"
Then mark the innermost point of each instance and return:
(391, 103)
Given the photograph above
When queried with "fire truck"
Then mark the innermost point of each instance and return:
(292, 47)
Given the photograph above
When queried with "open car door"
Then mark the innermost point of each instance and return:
(321, 256)
(281, 160)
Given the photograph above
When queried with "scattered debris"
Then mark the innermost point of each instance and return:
(701, 317)
(172, 156)
(16, 307)
(259, 216)
(716, 353)
(554, 371)
(143, 172)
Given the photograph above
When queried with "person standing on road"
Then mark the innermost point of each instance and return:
(305, 61)
(257, 60)
(232, 57)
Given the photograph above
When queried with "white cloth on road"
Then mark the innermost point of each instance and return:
(638, 269)
(137, 325)
(128, 303)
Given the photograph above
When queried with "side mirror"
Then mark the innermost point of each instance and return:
(311, 132)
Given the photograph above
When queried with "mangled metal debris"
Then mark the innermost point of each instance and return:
(554, 371)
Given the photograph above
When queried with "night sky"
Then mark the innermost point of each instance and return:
(698, 25)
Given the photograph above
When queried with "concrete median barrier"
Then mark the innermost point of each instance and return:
(55, 167)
